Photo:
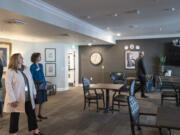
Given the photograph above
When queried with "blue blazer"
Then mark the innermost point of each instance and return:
(38, 74)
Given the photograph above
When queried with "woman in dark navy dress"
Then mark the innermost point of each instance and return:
(39, 79)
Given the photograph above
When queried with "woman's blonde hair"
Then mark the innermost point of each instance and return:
(13, 63)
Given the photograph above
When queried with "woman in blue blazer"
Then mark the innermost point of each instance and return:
(40, 82)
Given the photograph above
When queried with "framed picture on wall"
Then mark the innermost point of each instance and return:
(5, 53)
(50, 54)
(50, 69)
(130, 59)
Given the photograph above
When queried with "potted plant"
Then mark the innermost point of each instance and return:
(162, 62)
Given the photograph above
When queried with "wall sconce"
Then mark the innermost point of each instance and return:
(137, 47)
(126, 47)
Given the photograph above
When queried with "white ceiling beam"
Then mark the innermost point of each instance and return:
(149, 36)
(42, 11)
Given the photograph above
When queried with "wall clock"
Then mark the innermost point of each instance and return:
(96, 58)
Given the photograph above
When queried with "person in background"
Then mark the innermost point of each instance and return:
(141, 73)
(40, 82)
(20, 95)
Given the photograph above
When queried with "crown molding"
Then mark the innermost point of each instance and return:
(150, 36)
(89, 29)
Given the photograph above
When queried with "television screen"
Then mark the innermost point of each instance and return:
(173, 57)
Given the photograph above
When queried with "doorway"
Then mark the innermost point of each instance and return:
(71, 69)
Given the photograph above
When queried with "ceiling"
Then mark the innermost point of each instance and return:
(135, 17)
(37, 31)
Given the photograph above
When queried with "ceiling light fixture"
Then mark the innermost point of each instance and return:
(138, 12)
(16, 21)
(88, 17)
(115, 14)
(118, 34)
(160, 29)
(170, 9)
(89, 44)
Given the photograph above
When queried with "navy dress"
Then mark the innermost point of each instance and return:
(38, 76)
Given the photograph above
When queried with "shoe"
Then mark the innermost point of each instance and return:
(144, 96)
(38, 133)
(38, 120)
(42, 117)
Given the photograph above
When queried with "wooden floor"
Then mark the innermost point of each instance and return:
(65, 117)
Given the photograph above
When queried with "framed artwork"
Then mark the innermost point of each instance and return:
(50, 54)
(5, 53)
(130, 59)
(50, 69)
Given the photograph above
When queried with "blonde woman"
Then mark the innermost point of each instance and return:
(20, 95)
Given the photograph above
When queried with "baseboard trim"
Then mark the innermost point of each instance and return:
(80, 84)
(62, 89)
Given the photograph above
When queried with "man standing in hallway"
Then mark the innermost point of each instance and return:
(141, 73)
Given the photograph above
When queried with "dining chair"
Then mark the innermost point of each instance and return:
(150, 84)
(168, 91)
(118, 77)
(91, 95)
(121, 99)
(51, 88)
(135, 116)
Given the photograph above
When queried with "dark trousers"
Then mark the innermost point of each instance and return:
(0, 108)
(142, 87)
(31, 116)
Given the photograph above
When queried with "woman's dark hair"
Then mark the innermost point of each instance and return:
(34, 57)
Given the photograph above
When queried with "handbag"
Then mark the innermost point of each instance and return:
(39, 85)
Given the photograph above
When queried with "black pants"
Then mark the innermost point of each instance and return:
(31, 116)
(0, 108)
(142, 87)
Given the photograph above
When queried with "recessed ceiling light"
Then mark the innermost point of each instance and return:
(115, 14)
(160, 29)
(16, 21)
(89, 44)
(118, 34)
(86, 17)
(138, 12)
(170, 9)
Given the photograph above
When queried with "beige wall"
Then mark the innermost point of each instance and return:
(27, 48)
